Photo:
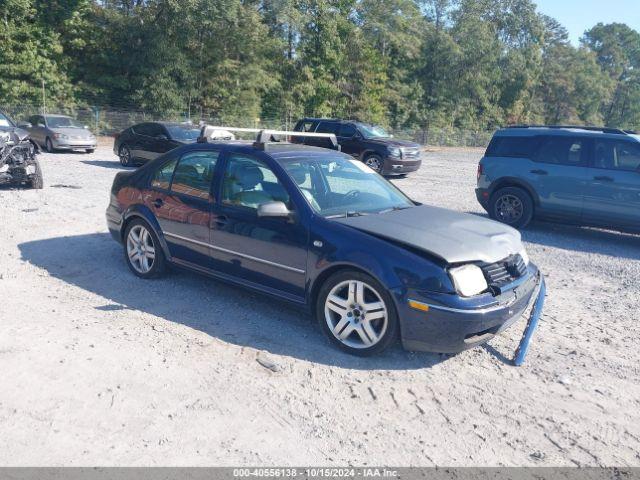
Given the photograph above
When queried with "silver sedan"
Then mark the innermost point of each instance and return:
(60, 132)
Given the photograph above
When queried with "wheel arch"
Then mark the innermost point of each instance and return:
(516, 183)
(142, 212)
(368, 152)
(332, 270)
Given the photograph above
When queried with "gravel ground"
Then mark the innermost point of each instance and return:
(101, 368)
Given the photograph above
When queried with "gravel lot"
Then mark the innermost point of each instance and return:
(101, 368)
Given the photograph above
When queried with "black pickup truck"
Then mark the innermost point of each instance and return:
(369, 143)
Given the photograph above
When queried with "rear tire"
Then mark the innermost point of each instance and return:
(512, 206)
(125, 156)
(37, 182)
(142, 250)
(356, 313)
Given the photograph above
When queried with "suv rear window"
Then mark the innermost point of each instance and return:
(519, 147)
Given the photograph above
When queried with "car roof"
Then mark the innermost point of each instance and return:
(56, 115)
(565, 130)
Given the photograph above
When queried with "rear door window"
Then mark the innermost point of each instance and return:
(194, 174)
(561, 151)
(347, 130)
(328, 127)
(143, 129)
(162, 177)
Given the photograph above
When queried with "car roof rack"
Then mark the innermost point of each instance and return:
(266, 136)
(615, 131)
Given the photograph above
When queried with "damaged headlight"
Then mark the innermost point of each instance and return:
(469, 280)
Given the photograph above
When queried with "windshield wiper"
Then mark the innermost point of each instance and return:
(393, 209)
(348, 214)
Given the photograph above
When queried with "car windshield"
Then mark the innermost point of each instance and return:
(4, 121)
(63, 122)
(184, 133)
(341, 186)
(373, 131)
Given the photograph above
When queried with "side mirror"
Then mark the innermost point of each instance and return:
(273, 209)
(41, 125)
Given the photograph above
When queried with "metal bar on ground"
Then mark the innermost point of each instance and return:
(534, 318)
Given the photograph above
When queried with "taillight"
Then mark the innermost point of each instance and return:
(479, 171)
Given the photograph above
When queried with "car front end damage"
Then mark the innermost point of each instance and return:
(18, 162)
(448, 323)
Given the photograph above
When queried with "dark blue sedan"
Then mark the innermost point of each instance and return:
(317, 228)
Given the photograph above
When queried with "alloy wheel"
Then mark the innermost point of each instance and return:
(373, 163)
(125, 156)
(140, 249)
(509, 208)
(356, 314)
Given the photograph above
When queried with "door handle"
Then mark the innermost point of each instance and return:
(604, 179)
(540, 172)
(221, 220)
(158, 202)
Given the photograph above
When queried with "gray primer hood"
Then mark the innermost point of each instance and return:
(454, 237)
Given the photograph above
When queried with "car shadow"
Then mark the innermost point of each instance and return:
(95, 263)
(582, 239)
(106, 164)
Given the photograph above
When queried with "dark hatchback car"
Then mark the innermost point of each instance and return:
(319, 229)
(370, 144)
(146, 141)
(579, 175)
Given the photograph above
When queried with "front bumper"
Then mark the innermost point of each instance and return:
(398, 166)
(452, 329)
(72, 144)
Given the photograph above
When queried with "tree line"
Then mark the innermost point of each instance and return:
(467, 64)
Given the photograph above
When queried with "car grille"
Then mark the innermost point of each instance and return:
(505, 271)
(410, 153)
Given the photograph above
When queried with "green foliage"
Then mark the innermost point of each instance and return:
(436, 66)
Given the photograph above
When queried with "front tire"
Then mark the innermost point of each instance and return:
(142, 250)
(90, 150)
(374, 162)
(48, 145)
(37, 182)
(357, 313)
(511, 205)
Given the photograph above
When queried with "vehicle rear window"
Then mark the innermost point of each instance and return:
(519, 147)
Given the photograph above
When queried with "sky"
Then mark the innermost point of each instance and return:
(580, 15)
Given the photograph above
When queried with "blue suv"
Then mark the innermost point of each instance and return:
(581, 175)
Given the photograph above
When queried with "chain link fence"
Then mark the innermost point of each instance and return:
(106, 121)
